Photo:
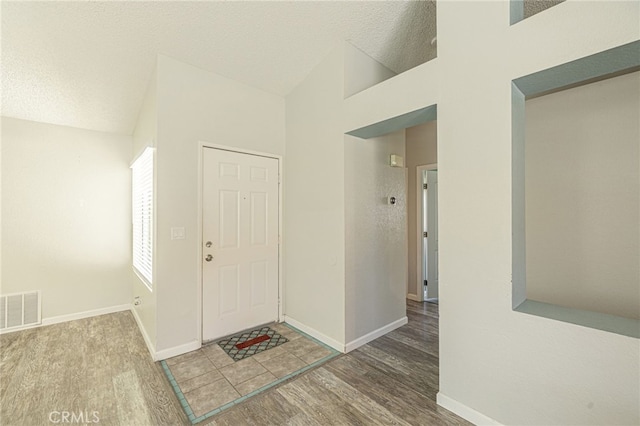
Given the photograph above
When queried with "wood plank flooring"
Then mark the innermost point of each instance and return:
(98, 368)
(101, 364)
(392, 380)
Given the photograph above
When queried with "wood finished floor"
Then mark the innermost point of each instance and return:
(96, 364)
(392, 380)
(101, 364)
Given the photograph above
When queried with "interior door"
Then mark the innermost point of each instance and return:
(424, 229)
(432, 232)
(240, 219)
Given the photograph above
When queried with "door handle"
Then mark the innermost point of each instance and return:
(208, 244)
(209, 258)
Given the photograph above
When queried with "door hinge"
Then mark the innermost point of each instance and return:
(424, 234)
(424, 186)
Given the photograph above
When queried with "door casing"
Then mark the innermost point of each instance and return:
(419, 217)
(201, 147)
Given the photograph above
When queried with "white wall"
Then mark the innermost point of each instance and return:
(497, 364)
(375, 234)
(66, 220)
(508, 366)
(329, 266)
(1, 206)
(361, 71)
(144, 135)
(195, 105)
(583, 197)
(314, 228)
(421, 146)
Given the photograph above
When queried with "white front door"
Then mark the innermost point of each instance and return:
(240, 240)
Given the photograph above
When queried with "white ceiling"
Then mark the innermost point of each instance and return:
(87, 64)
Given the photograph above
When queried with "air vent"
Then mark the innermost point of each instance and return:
(19, 310)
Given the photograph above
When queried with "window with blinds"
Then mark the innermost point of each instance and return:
(142, 203)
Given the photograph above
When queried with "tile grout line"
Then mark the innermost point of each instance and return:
(266, 387)
(309, 337)
(194, 420)
(174, 384)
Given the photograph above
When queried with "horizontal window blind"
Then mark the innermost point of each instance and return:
(142, 204)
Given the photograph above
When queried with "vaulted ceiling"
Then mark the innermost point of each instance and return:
(87, 64)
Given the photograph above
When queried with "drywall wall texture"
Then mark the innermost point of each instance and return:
(197, 106)
(66, 220)
(512, 367)
(497, 365)
(421, 146)
(582, 197)
(333, 271)
(375, 234)
(314, 201)
(144, 135)
(375, 231)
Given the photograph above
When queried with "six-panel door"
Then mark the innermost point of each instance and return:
(240, 242)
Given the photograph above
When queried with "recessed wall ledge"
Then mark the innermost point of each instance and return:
(616, 61)
(605, 322)
(619, 60)
(404, 121)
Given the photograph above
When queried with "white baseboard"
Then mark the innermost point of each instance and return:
(360, 341)
(72, 317)
(463, 411)
(315, 334)
(143, 331)
(413, 297)
(85, 314)
(177, 350)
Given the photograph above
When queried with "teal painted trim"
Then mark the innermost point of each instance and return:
(267, 387)
(410, 119)
(227, 405)
(518, 237)
(176, 389)
(212, 413)
(516, 11)
(609, 323)
(194, 420)
(601, 64)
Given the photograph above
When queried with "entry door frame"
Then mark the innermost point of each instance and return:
(201, 147)
(419, 217)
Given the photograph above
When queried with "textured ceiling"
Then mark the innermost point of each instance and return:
(87, 64)
(531, 7)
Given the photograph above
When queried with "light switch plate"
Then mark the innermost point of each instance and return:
(177, 233)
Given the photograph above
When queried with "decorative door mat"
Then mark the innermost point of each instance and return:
(250, 343)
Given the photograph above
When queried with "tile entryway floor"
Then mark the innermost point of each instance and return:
(208, 380)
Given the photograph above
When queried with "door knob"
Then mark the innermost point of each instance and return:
(209, 258)
(208, 244)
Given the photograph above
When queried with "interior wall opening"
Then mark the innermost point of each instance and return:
(422, 156)
(576, 192)
(582, 188)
